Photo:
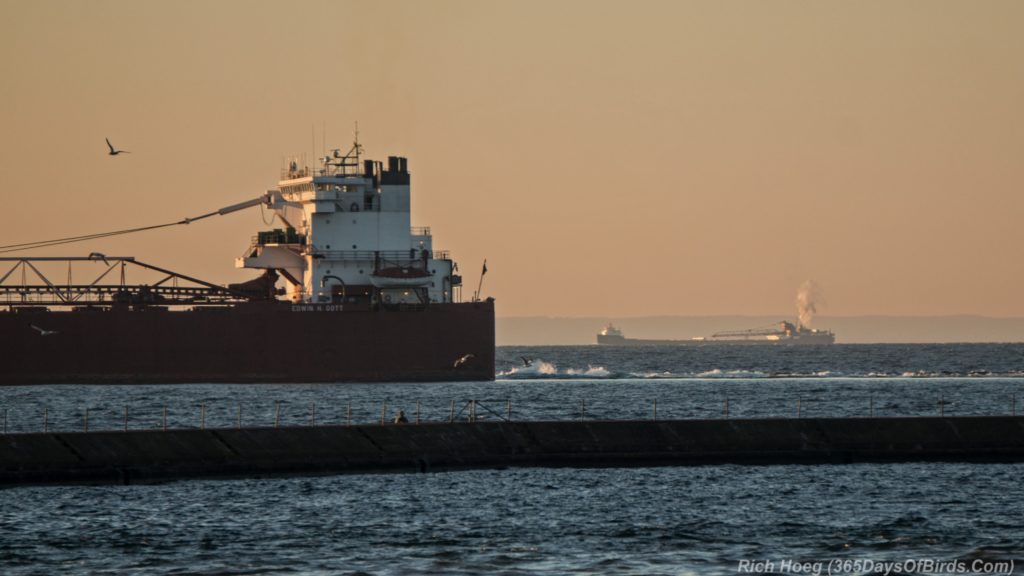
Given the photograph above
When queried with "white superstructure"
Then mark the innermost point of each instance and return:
(347, 236)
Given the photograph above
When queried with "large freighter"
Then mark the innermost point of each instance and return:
(365, 297)
(785, 333)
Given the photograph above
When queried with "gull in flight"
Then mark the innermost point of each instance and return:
(526, 361)
(43, 332)
(115, 151)
(463, 360)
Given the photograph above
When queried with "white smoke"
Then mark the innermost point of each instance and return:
(808, 298)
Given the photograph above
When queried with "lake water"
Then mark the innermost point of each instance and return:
(560, 521)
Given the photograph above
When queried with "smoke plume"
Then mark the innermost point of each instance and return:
(808, 298)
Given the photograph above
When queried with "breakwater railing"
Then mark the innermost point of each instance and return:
(16, 419)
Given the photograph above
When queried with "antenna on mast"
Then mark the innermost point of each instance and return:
(337, 164)
(355, 144)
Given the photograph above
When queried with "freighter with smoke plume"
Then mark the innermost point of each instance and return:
(783, 333)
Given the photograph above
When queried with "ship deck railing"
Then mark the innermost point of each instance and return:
(371, 255)
(352, 255)
(109, 294)
(164, 290)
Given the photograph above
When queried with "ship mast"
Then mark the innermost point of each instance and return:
(347, 165)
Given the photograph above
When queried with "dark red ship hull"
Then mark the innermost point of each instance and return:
(270, 342)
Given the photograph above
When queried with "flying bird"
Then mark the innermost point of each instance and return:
(43, 332)
(115, 151)
(526, 361)
(463, 360)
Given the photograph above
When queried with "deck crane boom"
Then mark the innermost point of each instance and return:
(268, 198)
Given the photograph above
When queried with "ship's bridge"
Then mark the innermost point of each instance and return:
(345, 236)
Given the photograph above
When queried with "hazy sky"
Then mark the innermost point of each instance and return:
(607, 158)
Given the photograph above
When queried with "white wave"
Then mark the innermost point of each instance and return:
(920, 374)
(541, 369)
(653, 375)
(590, 372)
(719, 373)
(536, 368)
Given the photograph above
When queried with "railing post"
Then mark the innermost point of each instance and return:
(86, 419)
(655, 409)
(725, 411)
(5, 420)
(508, 410)
(797, 407)
(383, 411)
(417, 411)
(583, 409)
(202, 416)
(942, 405)
(451, 415)
(46, 420)
(165, 418)
(348, 414)
(1013, 404)
(239, 415)
(277, 414)
(125, 418)
(871, 405)
(312, 414)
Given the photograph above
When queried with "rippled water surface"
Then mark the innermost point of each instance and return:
(655, 520)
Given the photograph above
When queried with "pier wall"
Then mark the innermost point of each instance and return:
(140, 456)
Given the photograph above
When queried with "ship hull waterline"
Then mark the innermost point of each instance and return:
(619, 341)
(257, 343)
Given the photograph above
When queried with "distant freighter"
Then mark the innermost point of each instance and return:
(785, 333)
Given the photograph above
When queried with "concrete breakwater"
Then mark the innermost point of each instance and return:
(153, 455)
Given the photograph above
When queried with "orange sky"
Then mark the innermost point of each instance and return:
(607, 158)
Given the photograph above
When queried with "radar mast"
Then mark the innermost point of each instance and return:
(337, 164)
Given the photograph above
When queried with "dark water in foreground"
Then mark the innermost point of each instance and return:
(595, 521)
